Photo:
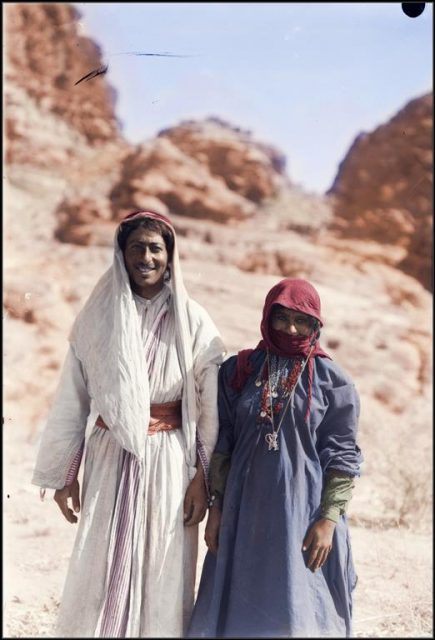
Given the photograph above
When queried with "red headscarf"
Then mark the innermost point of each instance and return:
(296, 294)
(148, 214)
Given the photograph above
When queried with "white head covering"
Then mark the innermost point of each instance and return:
(106, 338)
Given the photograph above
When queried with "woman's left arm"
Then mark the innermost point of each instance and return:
(336, 495)
(340, 458)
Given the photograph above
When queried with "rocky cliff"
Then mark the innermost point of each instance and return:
(206, 169)
(241, 225)
(383, 189)
(46, 56)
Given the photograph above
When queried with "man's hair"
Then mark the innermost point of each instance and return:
(150, 224)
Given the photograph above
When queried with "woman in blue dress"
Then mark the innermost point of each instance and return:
(279, 561)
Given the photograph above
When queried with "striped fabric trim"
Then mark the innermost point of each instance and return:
(75, 466)
(115, 613)
(200, 449)
(117, 600)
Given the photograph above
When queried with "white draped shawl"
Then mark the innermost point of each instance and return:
(108, 355)
(106, 339)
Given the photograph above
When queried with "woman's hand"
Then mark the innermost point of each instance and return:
(211, 535)
(319, 541)
(61, 497)
(195, 500)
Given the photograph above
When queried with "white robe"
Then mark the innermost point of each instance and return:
(168, 554)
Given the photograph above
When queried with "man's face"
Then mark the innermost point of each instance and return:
(146, 260)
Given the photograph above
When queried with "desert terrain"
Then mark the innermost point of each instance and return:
(69, 176)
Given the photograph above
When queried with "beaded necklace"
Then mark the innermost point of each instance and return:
(276, 378)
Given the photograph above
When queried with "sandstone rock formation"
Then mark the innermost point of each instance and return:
(383, 189)
(198, 170)
(160, 170)
(206, 169)
(249, 168)
(418, 261)
(46, 55)
(68, 181)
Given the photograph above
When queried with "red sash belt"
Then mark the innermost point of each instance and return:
(164, 417)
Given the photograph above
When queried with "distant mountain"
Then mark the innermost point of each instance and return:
(206, 169)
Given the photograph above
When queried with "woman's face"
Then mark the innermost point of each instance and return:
(292, 322)
(146, 260)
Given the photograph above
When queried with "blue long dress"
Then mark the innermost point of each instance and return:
(258, 585)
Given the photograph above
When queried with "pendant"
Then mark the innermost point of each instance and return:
(263, 414)
(258, 383)
(272, 441)
(274, 394)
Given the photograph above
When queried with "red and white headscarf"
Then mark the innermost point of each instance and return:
(296, 294)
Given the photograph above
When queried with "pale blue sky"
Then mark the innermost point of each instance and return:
(305, 77)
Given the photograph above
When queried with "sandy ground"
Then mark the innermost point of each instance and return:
(393, 597)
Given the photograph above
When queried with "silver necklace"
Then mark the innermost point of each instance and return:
(274, 374)
(272, 437)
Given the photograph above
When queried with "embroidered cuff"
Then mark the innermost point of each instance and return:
(215, 500)
(75, 466)
(337, 493)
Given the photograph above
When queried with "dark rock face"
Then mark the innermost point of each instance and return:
(383, 189)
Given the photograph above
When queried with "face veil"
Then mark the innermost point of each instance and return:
(299, 295)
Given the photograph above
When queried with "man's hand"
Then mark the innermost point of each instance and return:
(195, 500)
(61, 497)
(319, 541)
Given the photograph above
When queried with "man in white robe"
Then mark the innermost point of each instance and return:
(132, 571)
